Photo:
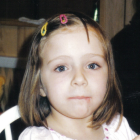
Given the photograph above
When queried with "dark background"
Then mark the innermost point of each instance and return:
(43, 8)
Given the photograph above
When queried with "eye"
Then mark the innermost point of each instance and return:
(61, 68)
(93, 66)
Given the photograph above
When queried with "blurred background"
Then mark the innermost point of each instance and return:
(36, 9)
(120, 19)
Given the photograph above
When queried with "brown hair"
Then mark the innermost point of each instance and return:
(34, 108)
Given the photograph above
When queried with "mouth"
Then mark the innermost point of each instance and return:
(80, 98)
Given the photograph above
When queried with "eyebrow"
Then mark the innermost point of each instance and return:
(68, 57)
(59, 57)
(94, 55)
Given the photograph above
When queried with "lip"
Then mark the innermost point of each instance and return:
(80, 97)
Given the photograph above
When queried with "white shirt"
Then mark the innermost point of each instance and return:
(41, 133)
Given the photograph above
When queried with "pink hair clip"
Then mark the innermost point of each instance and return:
(63, 19)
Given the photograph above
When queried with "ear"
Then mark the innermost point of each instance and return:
(42, 93)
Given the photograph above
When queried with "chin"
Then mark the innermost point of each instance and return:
(80, 115)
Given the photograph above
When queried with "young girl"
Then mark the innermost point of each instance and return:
(69, 90)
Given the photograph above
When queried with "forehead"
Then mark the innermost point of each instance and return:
(71, 29)
(74, 29)
(72, 42)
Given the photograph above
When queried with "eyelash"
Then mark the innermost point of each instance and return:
(62, 68)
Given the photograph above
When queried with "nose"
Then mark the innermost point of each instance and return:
(79, 78)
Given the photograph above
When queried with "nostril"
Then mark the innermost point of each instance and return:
(78, 84)
(79, 80)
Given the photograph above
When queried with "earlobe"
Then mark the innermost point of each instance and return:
(42, 93)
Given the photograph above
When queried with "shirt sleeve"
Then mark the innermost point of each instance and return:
(126, 128)
(35, 133)
(123, 133)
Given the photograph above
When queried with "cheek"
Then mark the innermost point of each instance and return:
(99, 89)
(55, 83)
(99, 79)
(98, 83)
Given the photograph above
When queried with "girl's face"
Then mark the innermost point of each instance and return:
(74, 72)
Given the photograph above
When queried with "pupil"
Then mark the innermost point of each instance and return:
(61, 68)
(92, 66)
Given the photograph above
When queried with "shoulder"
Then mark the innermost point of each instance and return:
(124, 131)
(35, 133)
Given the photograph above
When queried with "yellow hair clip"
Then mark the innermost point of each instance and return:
(44, 29)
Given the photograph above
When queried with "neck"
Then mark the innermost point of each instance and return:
(72, 127)
(64, 121)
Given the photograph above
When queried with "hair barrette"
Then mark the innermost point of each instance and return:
(44, 29)
(63, 19)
